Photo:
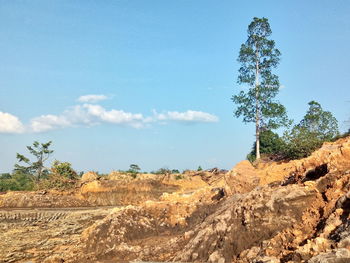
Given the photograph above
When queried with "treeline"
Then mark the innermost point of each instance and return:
(33, 175)
(30, 173)
(299, 140)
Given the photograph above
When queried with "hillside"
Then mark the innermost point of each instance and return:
(295, 211)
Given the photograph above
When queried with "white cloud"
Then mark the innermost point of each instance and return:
(87, 115)
(10, 123)
(92, 98)
(91, 114)
(189, 116)
(49, 122)
(115, 116)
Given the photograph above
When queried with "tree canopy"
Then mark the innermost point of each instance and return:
(41, 152)
(316, 127)
(258, 56)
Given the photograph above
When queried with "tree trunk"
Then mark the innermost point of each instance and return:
(257, 108)
(257, 142)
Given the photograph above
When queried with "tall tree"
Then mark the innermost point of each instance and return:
(41, 152)
(258, 56)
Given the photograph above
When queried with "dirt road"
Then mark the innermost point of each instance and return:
(33, 234)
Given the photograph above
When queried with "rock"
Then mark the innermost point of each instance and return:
(242, 178)
(336, 256)
(89, 177)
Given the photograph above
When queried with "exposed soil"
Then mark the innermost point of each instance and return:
(36, 234)
(296, 211)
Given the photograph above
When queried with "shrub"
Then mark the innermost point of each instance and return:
(179, 177)
(16, 182)
(316, 127)
(64, 169)
(270, 145)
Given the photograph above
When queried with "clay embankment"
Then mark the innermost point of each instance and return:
(287, 212)
(295, 211)
(114, 190)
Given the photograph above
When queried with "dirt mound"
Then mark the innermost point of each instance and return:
(333, 156)
(296, 211)
(118, 192)
(282, 221)
(41, 199)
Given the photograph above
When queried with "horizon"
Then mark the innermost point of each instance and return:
(120, 83)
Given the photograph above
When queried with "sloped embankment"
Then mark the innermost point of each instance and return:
(97, 192)
(301, 215)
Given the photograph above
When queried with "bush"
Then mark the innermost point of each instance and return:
(317, 127)
(16, 182)
(64, 169)
(55, 181)
(162, 171)
(300, 143)
(62, 177)
(179, 177)
(270, 145)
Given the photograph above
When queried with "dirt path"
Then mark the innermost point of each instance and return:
(33, 234)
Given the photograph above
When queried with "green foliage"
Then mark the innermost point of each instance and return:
(316, 127)
(258, 56)
(16, 182)
(300, 143)
(41, 152)
(61, 177)
(134, 168)
(199, 169)
(5, 176)
(64, 170)
(320, 123)
(270, 145)
(175, 171)
(162, 170)
(55, 181)
(179, 177)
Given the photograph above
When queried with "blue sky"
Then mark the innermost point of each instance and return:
(149, 82)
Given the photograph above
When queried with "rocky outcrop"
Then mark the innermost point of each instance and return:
(331, 156)
(242, 178)
(89, 177)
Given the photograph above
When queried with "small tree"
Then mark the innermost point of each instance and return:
(258, 56)
(316, 127)
(41, 152)
(199, 169)
(320, 123)
(64, 170)
(134, 168)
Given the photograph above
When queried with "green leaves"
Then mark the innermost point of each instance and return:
(258, 56)
(41, 152)
(316, 127)
(63, 169)
(320, 122)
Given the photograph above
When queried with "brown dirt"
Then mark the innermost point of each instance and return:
(296, 211)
